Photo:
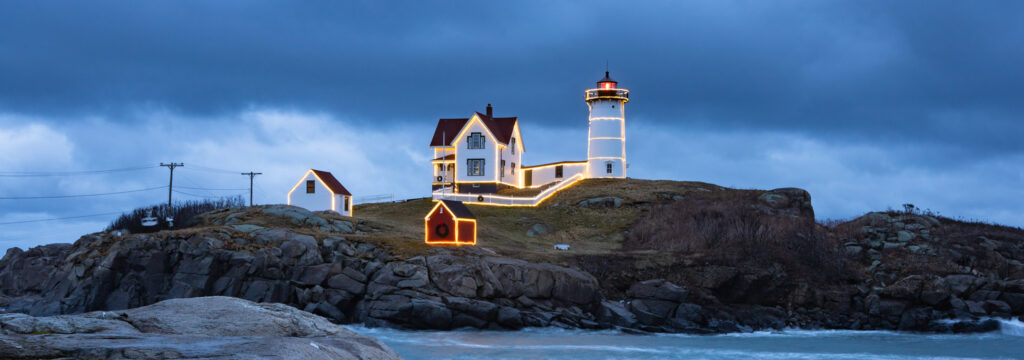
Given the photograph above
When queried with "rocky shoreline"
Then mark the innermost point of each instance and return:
(206, 327)
(312, 265)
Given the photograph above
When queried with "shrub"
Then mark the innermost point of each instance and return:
(182, 212)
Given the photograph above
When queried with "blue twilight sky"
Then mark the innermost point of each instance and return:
(866, 104)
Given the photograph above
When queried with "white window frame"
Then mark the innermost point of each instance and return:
(482, 166)
(476, 140)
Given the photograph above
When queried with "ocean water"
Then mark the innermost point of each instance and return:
(1008, 343)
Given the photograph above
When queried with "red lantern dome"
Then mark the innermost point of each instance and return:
(607, 82)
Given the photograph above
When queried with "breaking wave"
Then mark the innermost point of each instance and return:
(547, 343)
(1011, 327)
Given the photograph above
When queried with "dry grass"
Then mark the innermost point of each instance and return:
(503, 229)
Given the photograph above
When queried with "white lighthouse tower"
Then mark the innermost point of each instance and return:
(606, 143)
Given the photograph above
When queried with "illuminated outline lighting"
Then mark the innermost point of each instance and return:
(426, 228)
(351, 203)
(538, 199)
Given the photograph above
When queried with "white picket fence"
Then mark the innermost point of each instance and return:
(370, 199)
(500, 200)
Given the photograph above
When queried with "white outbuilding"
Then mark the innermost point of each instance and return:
(320, 190)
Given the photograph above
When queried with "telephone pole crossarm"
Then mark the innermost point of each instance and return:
(251, 175)
(170, 184)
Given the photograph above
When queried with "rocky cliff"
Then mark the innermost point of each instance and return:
(694, 258)
(310, 265)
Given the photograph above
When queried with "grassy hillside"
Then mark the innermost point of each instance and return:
(593, 229)
(745, 246)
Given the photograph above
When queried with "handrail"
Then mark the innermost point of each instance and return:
(499, 200)
(621, 94)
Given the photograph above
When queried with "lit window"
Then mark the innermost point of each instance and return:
(310, 186)
(608, 167)
(476, 141)
(475, 167)
(346, 203)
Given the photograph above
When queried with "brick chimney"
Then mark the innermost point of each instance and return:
(490, 111)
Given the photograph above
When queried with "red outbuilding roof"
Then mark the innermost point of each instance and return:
(332, 183)
(458, 209)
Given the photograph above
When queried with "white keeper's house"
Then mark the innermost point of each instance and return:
(477, 157)
(319, 190)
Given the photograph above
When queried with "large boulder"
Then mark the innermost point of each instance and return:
(602, 202)
(789, 201)
(208, 327)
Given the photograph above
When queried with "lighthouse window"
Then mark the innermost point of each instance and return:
(475, 167)
(476, 141)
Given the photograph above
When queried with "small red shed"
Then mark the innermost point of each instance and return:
(450, 223)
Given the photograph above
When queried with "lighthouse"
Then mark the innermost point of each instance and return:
(606, 140)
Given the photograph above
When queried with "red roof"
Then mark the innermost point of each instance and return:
(448, 129)
(458, 209)
(332, 184)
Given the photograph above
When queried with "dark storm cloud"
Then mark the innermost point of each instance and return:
(932, 71)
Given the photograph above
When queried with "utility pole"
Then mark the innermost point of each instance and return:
(170, 185)
(251, 175)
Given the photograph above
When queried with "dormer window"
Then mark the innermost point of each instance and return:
(476, 141)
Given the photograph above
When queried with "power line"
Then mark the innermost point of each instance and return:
(69, 173)
(202, 196)
(79, 195)
(201, 188)
(213, 169)
(196, 186)
(54, 219)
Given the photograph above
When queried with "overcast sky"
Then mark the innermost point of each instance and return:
(866, 104)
